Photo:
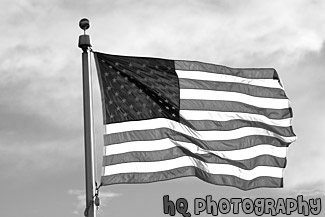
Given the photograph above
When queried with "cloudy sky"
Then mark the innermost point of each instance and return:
(41, 125)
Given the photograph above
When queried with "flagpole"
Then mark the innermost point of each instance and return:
(84, 44)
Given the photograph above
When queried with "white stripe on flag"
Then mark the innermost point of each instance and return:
(207, 76)
(227, 116)
(260, 102)
(164, 144)
(181, 128)
(185, 161)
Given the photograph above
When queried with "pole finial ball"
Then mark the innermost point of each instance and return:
(84, 24)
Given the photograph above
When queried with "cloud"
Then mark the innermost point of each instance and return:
(304, 81)
(314, 189)
(38, 96)
(309, 190)
(235, 33)
(41, 111)
(81, 198)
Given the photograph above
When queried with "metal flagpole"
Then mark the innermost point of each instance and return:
(84, 44)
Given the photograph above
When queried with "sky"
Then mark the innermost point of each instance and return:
(41, 125)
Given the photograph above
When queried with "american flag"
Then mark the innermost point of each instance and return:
(166, 119)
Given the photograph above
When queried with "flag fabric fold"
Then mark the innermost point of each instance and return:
(166, 119)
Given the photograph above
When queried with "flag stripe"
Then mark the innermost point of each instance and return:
(260, 73)
(228, 116)
(226, 180)
(233, 87)
(181, 128)
(216, 145)
(207, 125)
(167, 143)
(227, 106)
(206, 76)
(186, 161)
(235, 97)
(176, 152)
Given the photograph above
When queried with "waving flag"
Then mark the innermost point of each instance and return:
(167, 119)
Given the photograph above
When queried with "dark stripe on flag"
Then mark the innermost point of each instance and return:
(227, 106)
(218, 145)
(151, 156)
(227, 180)
(233, 87)
(235, 124)
(261, 73)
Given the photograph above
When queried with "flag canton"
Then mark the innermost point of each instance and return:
(137, 88)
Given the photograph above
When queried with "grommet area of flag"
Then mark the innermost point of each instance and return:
(166, 119)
